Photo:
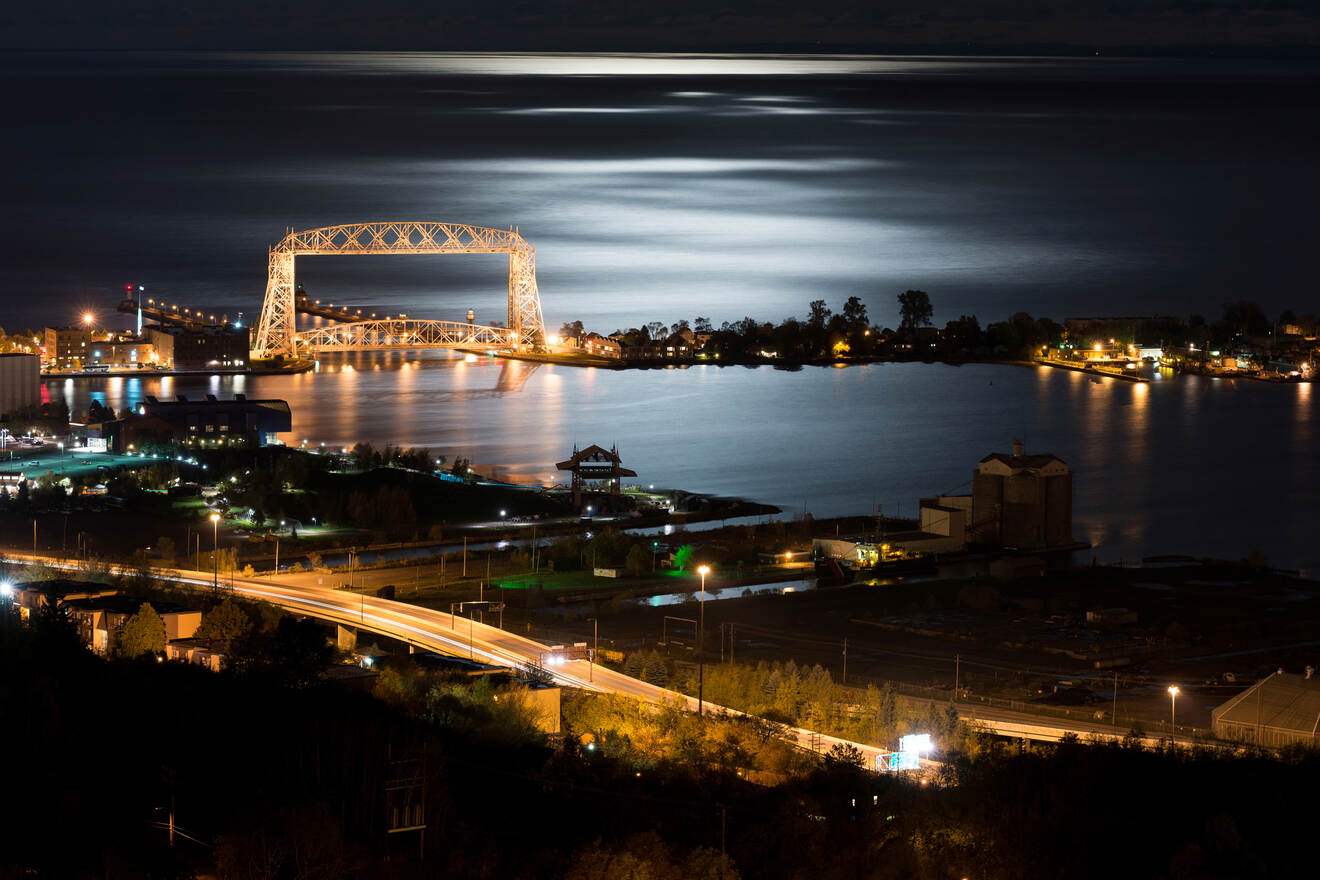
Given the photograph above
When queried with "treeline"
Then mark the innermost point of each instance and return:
(365, 456)
(400, 497)
(809, 697)
(46, 418)
(825, 335)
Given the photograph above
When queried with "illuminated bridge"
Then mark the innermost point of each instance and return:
(278, 335)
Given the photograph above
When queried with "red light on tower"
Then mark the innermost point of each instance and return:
(128, 287)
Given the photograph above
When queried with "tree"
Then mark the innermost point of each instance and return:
(223, 624)
(845, 755)
(702, 325)
(165, 546)
(820, 314)
(638, 561)
(914, 309)
(98, 412)
(143, 633)
(657, 331)
(1246, 317)
(854, 313)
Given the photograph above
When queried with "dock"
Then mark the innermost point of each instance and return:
(1090, 370)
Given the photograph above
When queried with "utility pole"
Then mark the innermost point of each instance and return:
(34, 536)
(465, 556)
(845, 662)
(956, 660)
(730, 641)
(1115, 709)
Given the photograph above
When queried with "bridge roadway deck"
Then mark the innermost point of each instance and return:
(459, 636)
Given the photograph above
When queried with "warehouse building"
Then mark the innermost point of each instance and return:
(1281, 710)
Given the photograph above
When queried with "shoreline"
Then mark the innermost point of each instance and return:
(160, 374)
(621, 365)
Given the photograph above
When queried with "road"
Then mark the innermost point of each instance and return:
(460, 636)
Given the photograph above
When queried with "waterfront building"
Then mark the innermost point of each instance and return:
(601, 346)
(201, 348)
(1021, 501)
(208, 422)
(20, 382)
(83, 349)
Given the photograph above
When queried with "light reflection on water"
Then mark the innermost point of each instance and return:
(1159, 468)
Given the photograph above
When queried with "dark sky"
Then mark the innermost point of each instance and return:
(1260, 26)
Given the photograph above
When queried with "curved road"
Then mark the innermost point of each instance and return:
(460, 637)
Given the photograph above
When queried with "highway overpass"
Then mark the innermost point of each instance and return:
(454, 635)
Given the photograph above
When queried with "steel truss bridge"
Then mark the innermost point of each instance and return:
(404, 334)
(277, 333)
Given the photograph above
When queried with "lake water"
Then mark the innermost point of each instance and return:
(1181, 465)
(658, 188)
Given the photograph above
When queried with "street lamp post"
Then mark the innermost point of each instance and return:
(1173, 710)
(595, 638)
(701, 641)
(215, 551)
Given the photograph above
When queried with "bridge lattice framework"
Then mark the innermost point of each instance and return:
(277, 332)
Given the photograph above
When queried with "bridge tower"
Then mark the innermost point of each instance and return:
(277, 331)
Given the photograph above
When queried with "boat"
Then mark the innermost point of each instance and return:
(842, 560)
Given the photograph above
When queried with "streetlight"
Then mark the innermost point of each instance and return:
(701, 639)
(1173, 710)
(595, 638)
(215, 551)
(88, 318)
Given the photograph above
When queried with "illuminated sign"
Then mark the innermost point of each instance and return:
(908, 756)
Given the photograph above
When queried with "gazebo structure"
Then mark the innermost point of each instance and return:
(593, 466)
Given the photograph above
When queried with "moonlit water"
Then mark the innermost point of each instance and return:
(666, 187)
(1199, 466)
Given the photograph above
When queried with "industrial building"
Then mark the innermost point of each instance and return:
(20, 382)
(1280, 710)
(1021, 501)
(208, 422)
(200, 348)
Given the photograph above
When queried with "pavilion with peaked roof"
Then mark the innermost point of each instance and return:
(593, 466)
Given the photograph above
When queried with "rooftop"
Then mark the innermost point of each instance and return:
(1283, 701)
